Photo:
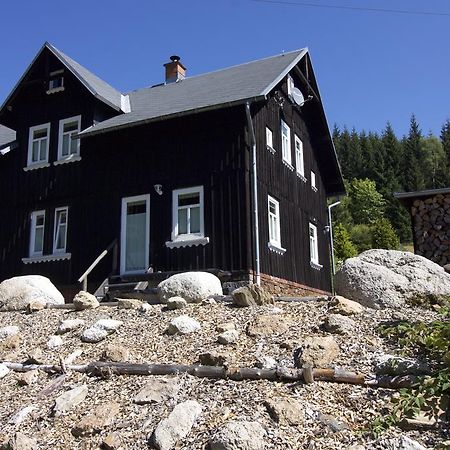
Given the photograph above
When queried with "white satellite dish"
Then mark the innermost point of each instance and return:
(297, 96)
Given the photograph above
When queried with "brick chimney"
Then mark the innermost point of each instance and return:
(175, 71)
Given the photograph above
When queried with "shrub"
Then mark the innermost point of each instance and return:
(343, 246)
(361, 236)
(384, 235)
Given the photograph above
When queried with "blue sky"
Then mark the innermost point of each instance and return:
(371, 67)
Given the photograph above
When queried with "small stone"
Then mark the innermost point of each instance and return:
(332, 423)
(35, 305)
(145, 308)
(110, 325)
(267, 325)
(227, 326)
(318, 351)
(93, 335)
(112, 442)
(70, 324)
(356, 447)
(405, 443)
(84, 300)
(20, 442)
(177, 426)
(3, 370)
(54, 342)
(35, 356)
(213, 359)
(21, 415)
(6, 332)
(129, 303)
(116, 353)
(228, 337)
(398, 365)
(70, 399)
(339, 324)
(344, 306)
(101, 417)
(157, 391)
(183, 325)
(251, 295)
(27, 378)
(176, 303)
(285, 411)
(239, 435)
(266, 362)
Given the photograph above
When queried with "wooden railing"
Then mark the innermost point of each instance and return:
(113, 247)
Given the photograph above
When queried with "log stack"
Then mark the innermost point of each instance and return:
(431, 226)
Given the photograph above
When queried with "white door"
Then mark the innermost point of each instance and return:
(135, 234)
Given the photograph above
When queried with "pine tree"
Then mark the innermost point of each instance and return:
(445, 140)
(413, 177)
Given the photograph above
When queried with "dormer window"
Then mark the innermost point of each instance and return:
(56, 82)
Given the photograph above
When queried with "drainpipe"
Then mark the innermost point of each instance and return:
(255, 194)
(330, 223)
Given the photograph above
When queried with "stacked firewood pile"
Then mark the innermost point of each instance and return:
(431, 222)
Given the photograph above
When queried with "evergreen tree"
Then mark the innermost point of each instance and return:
(445, 140)
(413, 177)
(434, 163)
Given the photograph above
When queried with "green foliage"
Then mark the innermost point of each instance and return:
(361, 236)
(366, 203)
(343, 246)
(384, 235)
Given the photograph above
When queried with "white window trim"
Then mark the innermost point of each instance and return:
(71, 157)
(60, 88)
(47, 258)
(299, 158)
(269, 146)
(286, 149)
(55, 230)
(313, 181)
(39, 164)
(125, 201)
(191, 239)
(314, 255)
(34, 216)
(290, 85)
(274, 244)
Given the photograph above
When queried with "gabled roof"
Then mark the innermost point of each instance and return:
(96, 86)
(230, 86)
(419, 194)
(6, 136)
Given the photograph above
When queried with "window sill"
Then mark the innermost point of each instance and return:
(47, 258)
(288, 165)
(271, 149)
(187, 241)
(35, 166)
(68, 159)
(315, 265)
(53, 91)
(314, 188)
(302, 177)
(276, 249)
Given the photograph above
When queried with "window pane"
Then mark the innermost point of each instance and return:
(40, 221)
(37, 134)
(43, 150)
(136, 226)
(65, 145)
(195, 220)
(189, 199)
(71, 126)
(61, 237)
(35, 152)
(73, 146)
(38, 240)
(182, 221)
(136, 208)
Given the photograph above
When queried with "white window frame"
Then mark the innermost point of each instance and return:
(290, 85)
(274, 226)
(56, 230)
(34, 216)
(286, 143)
(40, 163)
(314, 247)
(313, 181)
(299, 158)
(269, 140)
(71, 156)
(187, 238)
(55, 75)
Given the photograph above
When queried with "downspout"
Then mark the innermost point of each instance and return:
(255, 194)
(330, 224)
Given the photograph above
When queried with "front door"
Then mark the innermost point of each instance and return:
(135, 234)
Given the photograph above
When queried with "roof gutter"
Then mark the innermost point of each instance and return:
(257, 275)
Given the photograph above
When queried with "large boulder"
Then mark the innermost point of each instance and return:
(386, 278)
(18, 292)
(192, 286)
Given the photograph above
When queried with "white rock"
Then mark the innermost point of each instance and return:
(6, 332)
(337, 323)
(177, 426)
(16, 293)
(176, 303)
(145, 308)
(69, 324)
(93, 335)
(228, 337)
(385, 278)
(239, 435)
(3, 370)
(398, 365)
(109, 325)
(404, 443)
(192, 286)
(69, 399)
(84, 300)
(183, 325)
(266, 362)
(54, 342)
(21, 415)
(344, 306)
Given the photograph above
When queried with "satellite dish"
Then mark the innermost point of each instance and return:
(297, 96)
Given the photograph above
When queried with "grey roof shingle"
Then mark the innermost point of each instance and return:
(229, 86)
(6, 136)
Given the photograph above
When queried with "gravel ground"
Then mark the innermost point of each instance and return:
(222, 400)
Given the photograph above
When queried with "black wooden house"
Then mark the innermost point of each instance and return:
(164, 179)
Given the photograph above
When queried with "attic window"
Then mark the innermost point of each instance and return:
(56, 82)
